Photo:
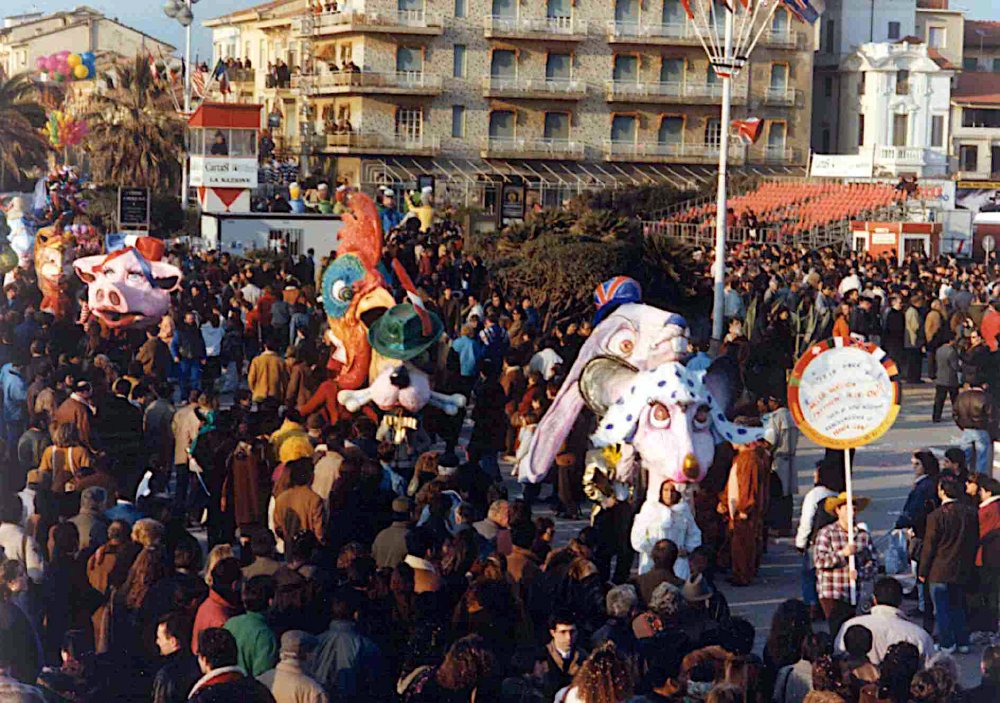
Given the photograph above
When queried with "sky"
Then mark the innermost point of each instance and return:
(147, 16)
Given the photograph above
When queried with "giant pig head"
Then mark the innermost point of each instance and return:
(640, 336)
(130, 287)
(669, 414)
(354, 292)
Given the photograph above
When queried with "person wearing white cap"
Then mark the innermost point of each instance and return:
(288, 682)
(387, 210)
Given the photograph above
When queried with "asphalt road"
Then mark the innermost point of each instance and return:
(881, 471)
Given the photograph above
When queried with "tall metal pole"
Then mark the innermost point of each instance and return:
(187, 110)
(720, 205)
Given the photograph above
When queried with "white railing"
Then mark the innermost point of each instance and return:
(318, 24)
(780, 37)
(524, 145)
(667, 150)
(651, 30)
(780, 96)
(914, 155)
(568, 26)
(414, 80)
(517, 84)
(672, 89)
(778, 154)
(383, 140)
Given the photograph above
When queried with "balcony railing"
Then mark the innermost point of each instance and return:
(780, 38)
(671, 91)
(516, 86)
(894, 159)
(681, 152)
(345, 82)
(241, 75)
(394, 21)
(382, 142)
(525, 148)
(781, 96)
(778, 154)
(564, 28)
(652, 32)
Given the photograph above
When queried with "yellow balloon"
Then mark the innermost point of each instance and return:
(81, 71)
(74, 60)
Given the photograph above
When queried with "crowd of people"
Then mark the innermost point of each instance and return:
(338, 566)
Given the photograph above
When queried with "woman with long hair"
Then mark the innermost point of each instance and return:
(604, 677)
(464, 676)
(790, 625)
(63, 460)
(67, 598)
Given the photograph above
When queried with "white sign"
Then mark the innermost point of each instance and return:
(842, 394)
(223, 172)
(989, 243)
(843, 165)
(883, 238)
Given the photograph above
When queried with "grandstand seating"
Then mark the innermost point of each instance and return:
(791, 208)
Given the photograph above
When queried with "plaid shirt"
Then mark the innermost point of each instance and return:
(833, 575)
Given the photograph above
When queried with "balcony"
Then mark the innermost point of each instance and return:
(346, 83)
(655, 152)
(781, 39)
(671, 92)
(533, 88)
(567, 29)
(651, 33)
(408, 22)
(787, 97)
(897, 160)
(524, 148)
(241, 76)
(779, 154)
(368, 142)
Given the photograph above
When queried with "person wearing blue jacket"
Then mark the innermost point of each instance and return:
(388, 212)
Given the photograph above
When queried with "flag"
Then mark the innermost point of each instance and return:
(748, 130)
(198, 83)
(152, 67)
(687, 8)
(415, 300)
(806, 10)
(220, 73)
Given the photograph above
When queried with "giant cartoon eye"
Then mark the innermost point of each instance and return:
(135, 277)
(342, 291)
(622, 342)
(702, 416)
(659, 416)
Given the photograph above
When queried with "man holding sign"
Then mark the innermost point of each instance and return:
(832, 558)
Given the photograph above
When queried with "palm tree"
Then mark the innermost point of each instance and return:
(22, 146)
(135, 132)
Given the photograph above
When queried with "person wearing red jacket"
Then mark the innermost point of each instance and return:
(988, 555)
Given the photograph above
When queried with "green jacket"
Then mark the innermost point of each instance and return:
(255, 642)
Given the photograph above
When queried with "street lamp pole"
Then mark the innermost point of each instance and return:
(182, 12)
(718, 307)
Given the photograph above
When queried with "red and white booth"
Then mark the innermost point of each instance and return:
(222, 143)
(903, 238)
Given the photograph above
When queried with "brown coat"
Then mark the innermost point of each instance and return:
(268, 377)
(75, 412)
(950, 544)
(523, 566)
(300, 385)
(154, 356)
(299, 508)
(62, 464)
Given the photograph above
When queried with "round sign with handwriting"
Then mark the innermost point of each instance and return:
(843, 393)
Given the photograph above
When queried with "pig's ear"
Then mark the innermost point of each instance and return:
(166, 276)
(85, 267)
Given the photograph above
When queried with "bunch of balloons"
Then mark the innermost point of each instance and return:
(88, 238)
(64, 130)
(67, 66)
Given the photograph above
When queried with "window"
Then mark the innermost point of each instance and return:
(713, 132)
(458, 121)
(671, 130)
(828, 86)
(558, 67)
(672, 71)
(830, 34)
(900, 125)
(502, 124)
(557, 126)
(627, 11)
(902, 82)
(994, 161)
(673, 12)
(623, 129)
(506, 9)
(982, 117)
(970, 63)
(780, 21)
(894, 30)
(503, 64)
(409, 124)
(937, 130)
(968, 157)
(996, 65)
(409, 59)
(626, 69)
(862, 78)
(776, 139)
(936, 37)
(779, 77)
(461, 8)
(458, 62)
(711, 77)
(558, 9)
(824, 141)
(410, 5)
(861, 130)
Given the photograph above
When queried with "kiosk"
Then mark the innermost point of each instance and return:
(222, 139)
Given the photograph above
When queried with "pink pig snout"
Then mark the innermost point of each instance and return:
(109, 296)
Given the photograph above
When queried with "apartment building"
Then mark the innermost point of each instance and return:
(24, 38)
(560, 94)
(976, 128)
(982, 46)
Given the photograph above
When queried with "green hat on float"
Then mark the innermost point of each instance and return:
(399, 333)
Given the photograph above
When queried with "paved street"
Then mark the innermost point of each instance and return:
(882, 472)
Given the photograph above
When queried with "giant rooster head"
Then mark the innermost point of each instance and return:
(354, 293)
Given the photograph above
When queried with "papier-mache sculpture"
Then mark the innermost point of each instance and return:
(55, 251)
(20, 238)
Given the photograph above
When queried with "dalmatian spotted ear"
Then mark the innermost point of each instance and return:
(725, 430)
(619, 423)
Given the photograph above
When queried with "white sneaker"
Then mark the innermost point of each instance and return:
(964, 649)
(946, 650)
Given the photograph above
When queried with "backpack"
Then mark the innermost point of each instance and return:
(820, 520)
